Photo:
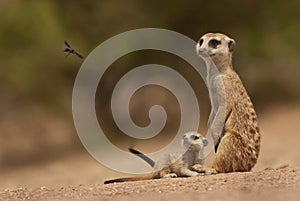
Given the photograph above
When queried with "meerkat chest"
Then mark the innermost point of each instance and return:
(191, 158)
(167, 160)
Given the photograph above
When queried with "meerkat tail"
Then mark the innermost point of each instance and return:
(142, 156)
(154, 175)
(126, 179)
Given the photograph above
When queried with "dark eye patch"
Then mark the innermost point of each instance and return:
(195, 137)
(214, 43)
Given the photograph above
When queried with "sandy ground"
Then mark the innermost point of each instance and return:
(80, 177)
(281, 184)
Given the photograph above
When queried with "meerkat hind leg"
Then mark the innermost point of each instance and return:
(204, 169)
(233, 155)
(166, 173)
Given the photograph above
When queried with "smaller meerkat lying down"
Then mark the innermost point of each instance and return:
(174, 165)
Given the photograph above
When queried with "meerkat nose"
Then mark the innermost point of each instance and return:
(185, 139)
(199, 49)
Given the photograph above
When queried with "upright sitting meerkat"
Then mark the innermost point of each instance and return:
(238, 144)
(175, 165)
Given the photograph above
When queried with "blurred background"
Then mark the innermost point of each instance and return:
(39, 145)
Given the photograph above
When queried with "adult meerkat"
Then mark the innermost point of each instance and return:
(176, 165)
(233, 114)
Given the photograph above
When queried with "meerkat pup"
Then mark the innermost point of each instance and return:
(233, 121)
(175, 165)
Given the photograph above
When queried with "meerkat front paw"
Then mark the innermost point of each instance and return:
(171, 175)
(203, 169)
(211, 171)
(198, 168)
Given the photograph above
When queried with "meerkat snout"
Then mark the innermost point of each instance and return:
(199, 50)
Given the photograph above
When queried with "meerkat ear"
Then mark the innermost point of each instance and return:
(205, 142)
(231, 45)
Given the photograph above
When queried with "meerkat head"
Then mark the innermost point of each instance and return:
(194, 141)
(217, 46)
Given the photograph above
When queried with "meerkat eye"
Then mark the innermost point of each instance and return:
(200, 42)
(195, 137)
(214, 43)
